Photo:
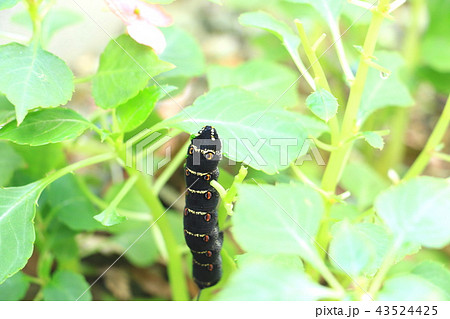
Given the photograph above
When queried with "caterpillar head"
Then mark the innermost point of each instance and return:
(208, 132)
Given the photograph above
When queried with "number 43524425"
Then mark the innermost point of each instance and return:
(403, 311)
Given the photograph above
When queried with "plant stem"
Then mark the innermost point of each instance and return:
(33, 10)
(435, 138)
(336, 35)
(319, 74)
(395, 148)
(339, 157)
(171, 168)
(175, 263)
(302, 177)
(123, 191)
(73, 167)
(389, 260)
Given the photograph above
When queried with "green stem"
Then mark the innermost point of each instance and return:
(389, 260)
(33, 10)
(83, 79)
(339, 157)
(336, 35)
(435, 138)
(395, 148)
(73, 167)
(319, 74)
(175, 269)
(298, 172)
(123, 191)
(171, 168)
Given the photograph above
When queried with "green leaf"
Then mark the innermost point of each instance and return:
(265, 281)
(32, 77)
(121, 76)
(379, 92)
(265, 78)
(14, 288)
(435, 45)
(350, 250)
(374, 139)
(363, 182)
(17, 210)
(9, 162)
(184, 52)
(410, 288)
(39, 160)
(328, 9)
(67, 286)
(323, 104)
(416, 211)
(242, 123)
(110, 217)
(135, 111)
(281, 30)
(46, 126)
(5, 4)
(7, 111)
(70, 205)
(286, 221)
(63, 246)
(436, 274)
(56, 20)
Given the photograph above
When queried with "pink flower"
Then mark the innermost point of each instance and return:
(142, 20)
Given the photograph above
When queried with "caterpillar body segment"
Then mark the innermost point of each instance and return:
(201, 229)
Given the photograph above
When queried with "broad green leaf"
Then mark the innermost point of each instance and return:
(363, 182)
(9, 162)
(14, 288)
(125, 69)
(109, 217)
(265, 78)
(323, 104)
(380, 241)
(410, 287)
(341, 211)
(184, 52)
(278, 219)
(56, 20)
(5, 4)
(63, 246)
(67, 286)
(373, 139)
(328, 9)
(287, 261)
(434, 273)
(17, 210)
(70, 205)
(435, 45)
(135, 111)
(249, 133)
(281, 30)
(350, 250)
(416, 211)
(32, 77)
(39, 161)
(46, 126)
(7, 111)
(380, 92)
(265, 281)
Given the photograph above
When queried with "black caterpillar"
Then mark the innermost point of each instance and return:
(201, 229)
